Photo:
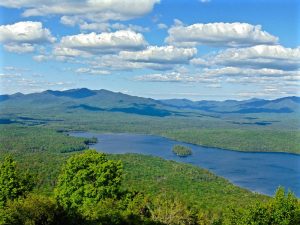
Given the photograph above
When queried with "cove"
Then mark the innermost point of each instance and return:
(260, 172)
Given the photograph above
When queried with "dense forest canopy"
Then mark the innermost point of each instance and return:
(89, 192)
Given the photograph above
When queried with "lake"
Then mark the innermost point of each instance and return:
(260, 172)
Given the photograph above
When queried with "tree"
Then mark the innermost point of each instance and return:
(12, 183)
(282, 209)
(34, 209)
(86, 179)
(169, 211)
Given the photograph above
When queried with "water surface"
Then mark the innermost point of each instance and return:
(260, 172)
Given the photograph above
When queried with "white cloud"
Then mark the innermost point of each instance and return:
(161, 55)
(213, 78)
(68, 52)
(69, 21)
(99, 27)
(102, 26)
(260, 56)
(19, 48)
(219, 34)
(136, 28)
(92, 71)
(40, 58)
(95, 10)
(113, 62)
(201, 62)
(153, 57)
(176, 77)
(159, 77)
(162, 26)
(104, 43)
(25, 32)
(120, 51)
(116, 62)
(237, 71)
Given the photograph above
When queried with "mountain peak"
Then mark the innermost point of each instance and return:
(73, 93)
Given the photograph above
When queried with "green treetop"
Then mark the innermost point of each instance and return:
(86, 179)
(12, 183)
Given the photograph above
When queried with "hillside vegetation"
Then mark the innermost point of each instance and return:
(89, 192)
(241, 140)
(250, 125)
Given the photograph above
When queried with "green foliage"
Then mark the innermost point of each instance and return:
(171, 211)
(283, 209)
(12, 183)
(32, 210)
(39, 150)
(177, 190)
(241, 139)
(86, 179)
(124, 211)
(181, 151)
(191, 185)
(16, 140)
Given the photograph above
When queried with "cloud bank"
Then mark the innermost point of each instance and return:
(219, 34)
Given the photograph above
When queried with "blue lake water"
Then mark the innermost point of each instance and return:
(257, 171)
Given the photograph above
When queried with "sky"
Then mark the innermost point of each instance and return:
(194, 49)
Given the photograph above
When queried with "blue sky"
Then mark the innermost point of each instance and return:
(193, 49)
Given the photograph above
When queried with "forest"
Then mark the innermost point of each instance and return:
(131, 189)
(89, 191)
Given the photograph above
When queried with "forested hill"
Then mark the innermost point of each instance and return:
(108, 101)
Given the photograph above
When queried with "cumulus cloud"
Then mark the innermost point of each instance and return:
(19, 48)
(152, 57)
(161, 55)
(122, 50)
(95, 10)
(260, 56)
(22, 37)
(101, 26)
(116, 62)
(103, 43)
(67, 52)
(219, 34)
(25, 32)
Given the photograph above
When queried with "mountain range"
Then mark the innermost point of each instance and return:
(108, 101)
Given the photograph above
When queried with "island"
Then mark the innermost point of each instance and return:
(181, 151)
(91, 141)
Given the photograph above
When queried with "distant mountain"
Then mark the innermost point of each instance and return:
(84, 99)
(73, 93)
(280, 105)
